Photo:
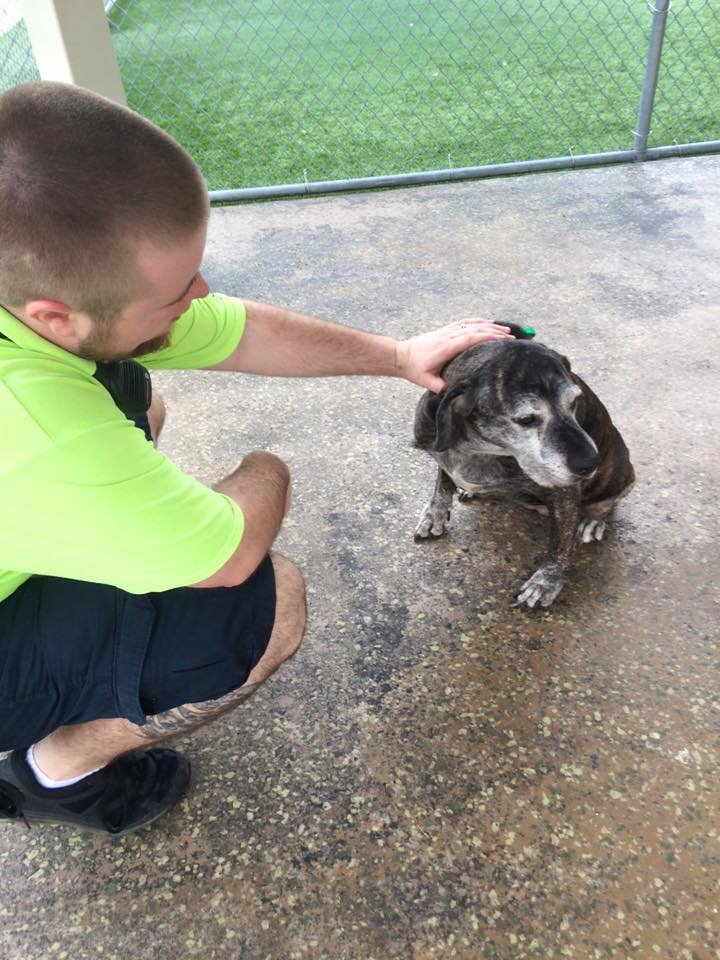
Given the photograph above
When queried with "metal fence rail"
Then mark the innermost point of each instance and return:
(276, 97)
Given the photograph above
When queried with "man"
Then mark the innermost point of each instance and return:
(135, 602)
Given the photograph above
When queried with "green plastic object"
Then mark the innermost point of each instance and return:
(529, 331)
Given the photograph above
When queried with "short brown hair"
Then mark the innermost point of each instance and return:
(82, 180)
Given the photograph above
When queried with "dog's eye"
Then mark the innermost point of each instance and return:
(529, 421)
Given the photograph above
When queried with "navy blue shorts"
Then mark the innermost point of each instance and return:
(72, 651)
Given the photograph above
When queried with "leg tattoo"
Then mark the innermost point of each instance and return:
(190, 716)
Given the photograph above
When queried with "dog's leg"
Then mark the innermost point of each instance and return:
(592, 524)
(436, 513)
(547, 582)
(594, 516)
(590, 528)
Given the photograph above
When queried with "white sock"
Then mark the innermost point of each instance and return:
(46, 781)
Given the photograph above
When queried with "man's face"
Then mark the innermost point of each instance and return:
(173, 280)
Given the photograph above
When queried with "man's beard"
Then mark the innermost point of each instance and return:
(98, 346)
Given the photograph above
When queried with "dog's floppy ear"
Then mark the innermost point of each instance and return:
(450, 416)
(563, 360)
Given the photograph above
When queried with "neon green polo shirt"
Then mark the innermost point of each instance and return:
(83, 495)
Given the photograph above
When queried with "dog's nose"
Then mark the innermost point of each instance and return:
(585, 464)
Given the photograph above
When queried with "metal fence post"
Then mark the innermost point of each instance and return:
(657, 35)
(71, 42)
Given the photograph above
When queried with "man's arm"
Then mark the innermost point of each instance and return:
(281, 343)
(261, 488)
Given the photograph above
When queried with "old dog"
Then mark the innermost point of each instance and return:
(515, 423)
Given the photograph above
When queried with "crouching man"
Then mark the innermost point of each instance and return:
(136, 603)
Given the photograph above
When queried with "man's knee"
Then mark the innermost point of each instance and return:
(290, 617)
(156, 415)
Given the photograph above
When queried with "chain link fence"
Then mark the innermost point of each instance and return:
(17, 64)
(281, 91)
(689, 83)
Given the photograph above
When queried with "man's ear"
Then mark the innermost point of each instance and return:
(53, 314)
(451, 415)
(56, 320)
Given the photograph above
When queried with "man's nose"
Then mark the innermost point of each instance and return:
(199, 289)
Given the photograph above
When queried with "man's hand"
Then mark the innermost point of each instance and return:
(421, 358)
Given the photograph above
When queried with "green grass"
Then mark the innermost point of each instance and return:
(322, 90)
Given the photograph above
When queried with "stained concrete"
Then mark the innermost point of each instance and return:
(439, 774)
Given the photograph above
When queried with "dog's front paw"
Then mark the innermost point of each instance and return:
(433, 521)
(542, 587)
(589, 530)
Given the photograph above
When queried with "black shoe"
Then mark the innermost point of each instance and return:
(128, 793)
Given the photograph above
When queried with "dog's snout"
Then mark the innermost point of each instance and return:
(584, 463)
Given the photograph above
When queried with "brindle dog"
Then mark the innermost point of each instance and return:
(515, 423)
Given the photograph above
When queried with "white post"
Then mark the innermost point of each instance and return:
(71, 42)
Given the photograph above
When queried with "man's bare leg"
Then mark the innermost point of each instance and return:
(156, 416)
(72, 751)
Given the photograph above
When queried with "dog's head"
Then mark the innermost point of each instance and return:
(516, 398)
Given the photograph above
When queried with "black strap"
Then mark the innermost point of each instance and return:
(128, 383)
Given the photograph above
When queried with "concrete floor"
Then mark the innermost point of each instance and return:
(439, 774)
